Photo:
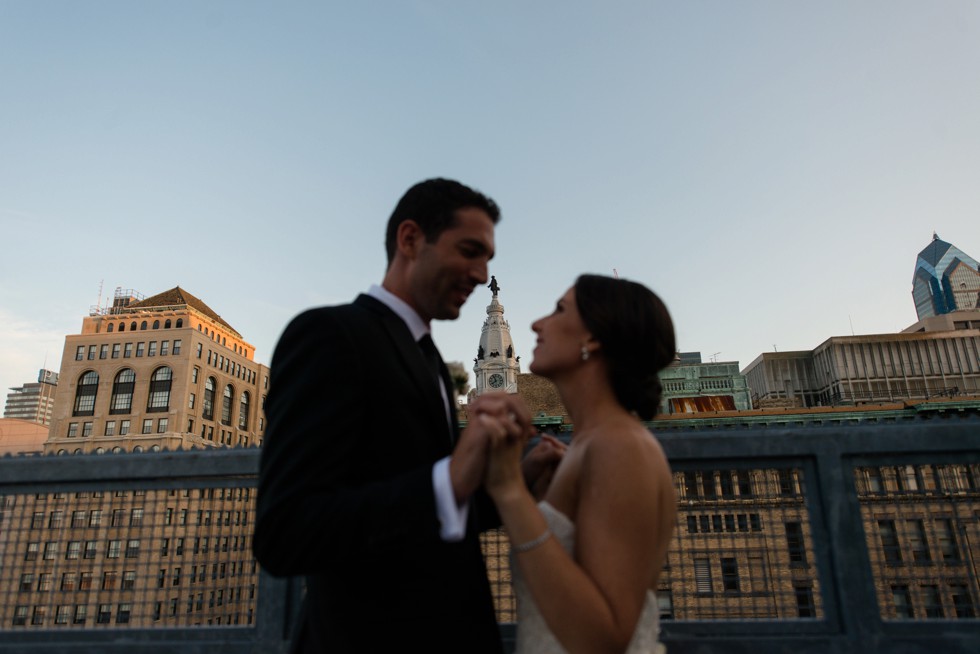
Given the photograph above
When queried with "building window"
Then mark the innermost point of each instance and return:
(115, 547)
(156, 324)
(143, 325)
(44, 582)
(164, 348)
(207, 411)
(200, 350)
(69, 580)
(74, 549)
(962, 603)
(115, 350)
(26, 582)
(123, 427)
(226, 402)
(72, 429)
(90, 548)
(86, 429)
(56, 520)
(103, 615)
(875, 484)
(88, 387)
(129, 580)
(889, 541)
(159, 399)
(177, 344)
(95, 518)
(110, 327)
(140, 348)
(902, 601)
(127, 350)
(243, 407)
(729, 575)
(80, 353)
(136, 517)
(917, 541)
(132, 548)
(147, 426)
(123, 613)
(787, 485)
(81, 614)
(191, 398)
(162, 425)
(702, 575)
(104, 351)
(804, 601)
(20, 616)
(110, 428)
(947, 540)
(152, 351)
(40, 612)
(931, 601)
(63, 612)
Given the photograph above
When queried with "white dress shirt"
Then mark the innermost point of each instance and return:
(452, 518)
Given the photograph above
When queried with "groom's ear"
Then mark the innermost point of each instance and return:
(409, 239)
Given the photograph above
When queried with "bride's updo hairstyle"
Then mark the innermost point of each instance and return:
(635, 335)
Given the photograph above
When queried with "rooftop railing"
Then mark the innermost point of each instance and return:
(812, 538)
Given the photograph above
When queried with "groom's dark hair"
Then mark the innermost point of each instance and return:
(433, 204)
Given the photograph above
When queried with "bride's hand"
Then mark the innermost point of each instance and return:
(507, 440)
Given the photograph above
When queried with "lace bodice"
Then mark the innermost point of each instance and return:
(533, 635)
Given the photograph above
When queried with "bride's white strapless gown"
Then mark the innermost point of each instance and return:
(533, 635)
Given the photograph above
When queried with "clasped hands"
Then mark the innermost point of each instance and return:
(491, 450)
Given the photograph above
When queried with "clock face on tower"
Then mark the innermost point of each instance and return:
(496, 380)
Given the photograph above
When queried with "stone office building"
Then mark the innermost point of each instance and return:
(143, 375)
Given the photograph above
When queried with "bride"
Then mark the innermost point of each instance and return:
(588, 550)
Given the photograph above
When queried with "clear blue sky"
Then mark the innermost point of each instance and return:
(770, 168)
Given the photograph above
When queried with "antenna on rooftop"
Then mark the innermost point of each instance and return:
(615, 273)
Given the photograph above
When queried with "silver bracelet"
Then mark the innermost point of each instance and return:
(530, 545)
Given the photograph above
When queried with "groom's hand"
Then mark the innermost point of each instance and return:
(468, 463)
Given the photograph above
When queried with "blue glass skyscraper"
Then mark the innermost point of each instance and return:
(945, 280)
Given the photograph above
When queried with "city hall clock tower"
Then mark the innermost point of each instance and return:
(496, 365)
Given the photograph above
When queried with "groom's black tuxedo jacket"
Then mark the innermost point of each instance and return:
(355, 422)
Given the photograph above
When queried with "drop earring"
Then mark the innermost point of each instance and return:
(585, 353)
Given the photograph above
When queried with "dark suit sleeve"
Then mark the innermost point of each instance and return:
(340, 477)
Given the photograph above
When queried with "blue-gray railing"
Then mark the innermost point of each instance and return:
(850, 620)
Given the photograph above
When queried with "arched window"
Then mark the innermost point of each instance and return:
(226, 401)
(62, 451)
(122, 326)
(166, 325)
(154, 448)
(138, 448)
(100, 450)
(132, 326)
(109, 328)
(122, 392)
(180, 323)
(117, 449)
(156, 324)
(88, 387)
(143, 325)
(159, 399)
(207, 408)
(243, 411)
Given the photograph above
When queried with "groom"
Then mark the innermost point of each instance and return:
(366, 485)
